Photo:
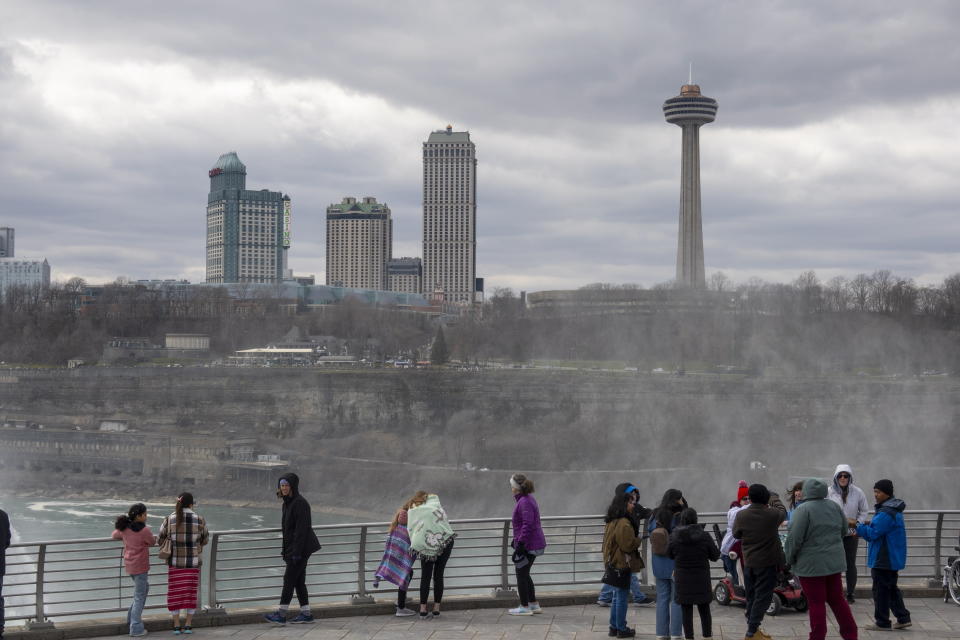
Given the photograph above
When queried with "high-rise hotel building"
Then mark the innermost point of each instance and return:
(450, 215)
(359, 244)
(248, 232)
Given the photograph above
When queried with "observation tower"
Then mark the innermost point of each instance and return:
(690, 110)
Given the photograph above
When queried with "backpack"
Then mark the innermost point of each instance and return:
(659, 538)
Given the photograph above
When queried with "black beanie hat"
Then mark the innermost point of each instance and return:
(758, 494)
(884, 485)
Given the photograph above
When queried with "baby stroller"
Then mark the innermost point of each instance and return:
(787, 593)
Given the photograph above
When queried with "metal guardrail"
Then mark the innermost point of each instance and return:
(82, 578)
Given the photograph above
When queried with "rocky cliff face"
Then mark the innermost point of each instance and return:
(368, 438)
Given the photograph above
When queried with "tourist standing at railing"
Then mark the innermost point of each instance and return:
(692, 550)
(397, 563)
(299, 542)
(814, 551)
(187, 532)
(431, 537)
(639, 514)
(528, 543)
(137, 539)
(730, 545)
(4, 543)
(757, 527)
(886, 537)
(621, 558)
(662, 523)
(853, 502)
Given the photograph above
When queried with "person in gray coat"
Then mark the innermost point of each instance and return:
(853, 503)
(814, 550)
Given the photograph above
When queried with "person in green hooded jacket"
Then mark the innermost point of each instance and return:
(814, 551)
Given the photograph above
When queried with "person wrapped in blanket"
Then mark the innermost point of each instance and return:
(431, 538)
(396, 567)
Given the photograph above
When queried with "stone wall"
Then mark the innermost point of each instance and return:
(373, 436)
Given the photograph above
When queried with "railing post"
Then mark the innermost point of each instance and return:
(40, 619)
(937, 579)
(213, 605)
(504, 590)
(643, 552)
(361, 596)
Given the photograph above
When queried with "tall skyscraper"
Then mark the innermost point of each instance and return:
(450, 215)
(689, 111)
(6, 243)
(248, 232)
(359, 244)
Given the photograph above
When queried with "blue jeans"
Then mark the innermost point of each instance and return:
(141, 587)
(635, 595)
(618, 609)
(669, 616)
(730, 566)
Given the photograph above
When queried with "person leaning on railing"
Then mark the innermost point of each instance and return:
(431, 536)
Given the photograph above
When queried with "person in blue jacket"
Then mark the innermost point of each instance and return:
(886, 538)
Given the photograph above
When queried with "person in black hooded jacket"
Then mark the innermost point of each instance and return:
(299, 541)
(692, 550)
(4, 543)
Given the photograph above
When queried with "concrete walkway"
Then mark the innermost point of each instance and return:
(932, 618)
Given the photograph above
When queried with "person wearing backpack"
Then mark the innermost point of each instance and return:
(662, 524)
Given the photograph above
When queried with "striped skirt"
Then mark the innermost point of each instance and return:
(182, 585)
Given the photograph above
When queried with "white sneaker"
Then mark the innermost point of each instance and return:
(403, 613)
(536, 608)
(520, 611)
(139, 635)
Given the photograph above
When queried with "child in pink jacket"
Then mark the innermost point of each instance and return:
(137, 540)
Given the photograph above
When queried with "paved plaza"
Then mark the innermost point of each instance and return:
(932, 618)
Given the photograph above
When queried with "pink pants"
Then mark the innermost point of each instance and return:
(821, 591)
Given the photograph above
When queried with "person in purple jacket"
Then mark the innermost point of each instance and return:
(528, 543)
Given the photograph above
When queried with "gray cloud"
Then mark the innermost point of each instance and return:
(832, 148)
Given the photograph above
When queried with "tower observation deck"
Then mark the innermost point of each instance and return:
(690, 110)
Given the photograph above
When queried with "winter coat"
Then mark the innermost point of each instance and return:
(886, 536)
(621, 545)
(4, 540)
(137, 540)
(692, 550)
(299, 538)
(186, 539)
(757, 528)
(856, 506)
(814, 545)
(728, 540)
(526, 524)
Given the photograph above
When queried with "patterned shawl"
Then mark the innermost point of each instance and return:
(397, 563)
(430, 531)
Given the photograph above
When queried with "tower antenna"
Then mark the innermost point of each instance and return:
(691, 74)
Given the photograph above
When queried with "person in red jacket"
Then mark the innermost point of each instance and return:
(137, 540)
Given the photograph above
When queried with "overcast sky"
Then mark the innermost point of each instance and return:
(834, 149)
